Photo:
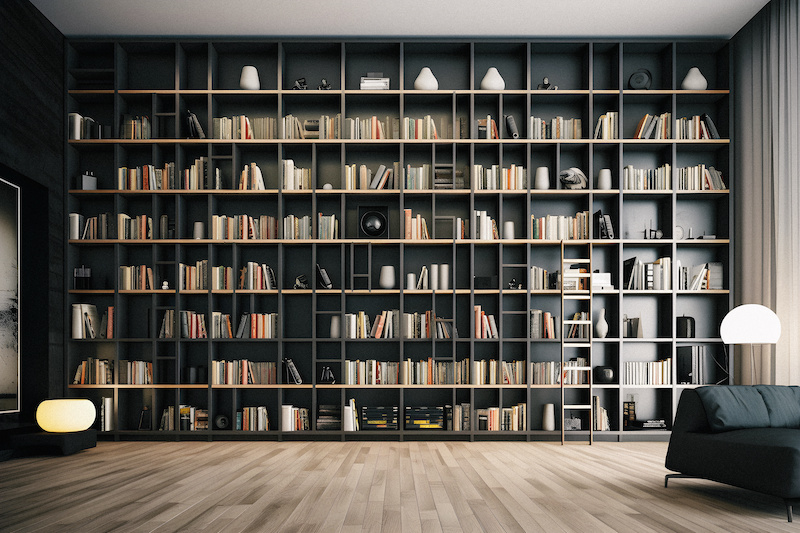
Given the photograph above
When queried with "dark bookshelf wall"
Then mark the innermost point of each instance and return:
(32, 155)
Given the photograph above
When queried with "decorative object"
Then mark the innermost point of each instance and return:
(66, 415)
(694, 81)
(750, 324)
(165, 286)
(513, 284)
(684, 327)
(573, 178)
(542, 179)
(301, 282)
(373, 222)
(82, 278)
(327, 376)
(444, 277)
(548, 417)
(508, 229)
(323, 279)
(411, 281)
(604, 179)
(327, 187)
(493, 81)
(336, 326)
(641, 79)
(601, 327)
(572, 424)
(199, 231)
(221, 422)
(604, 374)
(300, 84)
(249, 80)
(426, 81)
(545, 85)
(387, 277)
(434, 277)
(324, 85)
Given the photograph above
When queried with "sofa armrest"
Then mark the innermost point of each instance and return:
(690, 415)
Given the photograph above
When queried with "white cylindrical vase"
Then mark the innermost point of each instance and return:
(542, 179)
(604, 179)
(508, 229)
(336, 326)
(435, 277)
(548, 417)
(249, 80)
(386, 279)
(411, 281)
(199, 231)
(444, 277)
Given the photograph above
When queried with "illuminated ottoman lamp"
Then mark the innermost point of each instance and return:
(65, 424)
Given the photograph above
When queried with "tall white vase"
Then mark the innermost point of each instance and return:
(386, 280)
(601, 327)
(249, 80)
(542, 179)
(336, 326)
(426, 81)
(548, 417)
(493, 81)
(604, 179)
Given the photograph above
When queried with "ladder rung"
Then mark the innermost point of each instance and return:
(587, 368)
(578, 322)
(578, 406)
(568, 261)
(577, 344)
(573, 296)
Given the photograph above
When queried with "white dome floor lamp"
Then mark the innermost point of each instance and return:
(750, 324)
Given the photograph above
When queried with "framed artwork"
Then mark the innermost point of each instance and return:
(9, 297)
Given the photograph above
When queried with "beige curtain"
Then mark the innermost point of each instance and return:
(766, 183)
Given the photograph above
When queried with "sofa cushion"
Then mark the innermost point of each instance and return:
(734, 407)
(783, 405)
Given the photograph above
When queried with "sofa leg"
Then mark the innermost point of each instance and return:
(788, 509)
(670, 476)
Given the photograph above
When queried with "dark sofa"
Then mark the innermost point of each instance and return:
(745, 436)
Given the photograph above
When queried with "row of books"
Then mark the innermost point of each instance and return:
(696, 127)
(561, 227)
(191, 418)
(513, 418)
(135, 372)
(648, 372)
(704, 276)
(198, 176)
(243, 372)
(390, 324)
(494, 372)
(294, 177)
(139, 277)
(647, 179)
(485, 324)
(87, 323)
(294, 418)
(244, 127)
(654, 127)
(553, 373)
(407, 372)
(543, 325)
(699, 178)
(93, 371)
(555, 128)
(244, 227)
(415, 227)
(513, 178)
(655, 275)
(135, 127)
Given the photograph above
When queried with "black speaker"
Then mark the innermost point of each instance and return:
(373, 222)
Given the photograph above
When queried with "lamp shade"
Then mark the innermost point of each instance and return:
(750, 324)
(66, 415)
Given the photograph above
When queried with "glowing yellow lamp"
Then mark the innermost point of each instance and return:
(66, 415)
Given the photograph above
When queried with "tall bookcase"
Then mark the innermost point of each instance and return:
(164, 79)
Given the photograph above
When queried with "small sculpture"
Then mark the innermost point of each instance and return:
(513, 284)
(300, 84)
(165, 286)
(545, 85)
(301, 282)
(324, 85)
(327, 376)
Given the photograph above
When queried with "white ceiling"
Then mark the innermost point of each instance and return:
(578, 19)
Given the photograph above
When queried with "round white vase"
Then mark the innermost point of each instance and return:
(426, 81)
(548, 417)
(386, 279)
(694, 81)
(493, 81)
(601, 327)
(604, 179)
(542, 179)
(249, 80)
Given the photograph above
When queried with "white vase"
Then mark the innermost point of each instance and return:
(604, 179)
(548, 417)
(493, 81)
(601, 327)
(434, 277)
(336, 326)
(386, 280)
(508, 229)
(444, 277)
(426, 81)
(249, 80)
(411, 281)
(542, 179)
(694, 81)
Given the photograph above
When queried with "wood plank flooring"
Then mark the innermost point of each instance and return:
(370, 486)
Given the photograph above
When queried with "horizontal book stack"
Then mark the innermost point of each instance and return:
(329, 417)
(648, 372)
(377, 418)
(560, 227)
(423, 418)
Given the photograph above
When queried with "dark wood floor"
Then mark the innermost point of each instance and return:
(369, 486)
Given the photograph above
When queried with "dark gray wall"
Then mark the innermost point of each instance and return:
(32, 145)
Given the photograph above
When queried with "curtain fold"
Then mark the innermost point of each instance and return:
(767, 184)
